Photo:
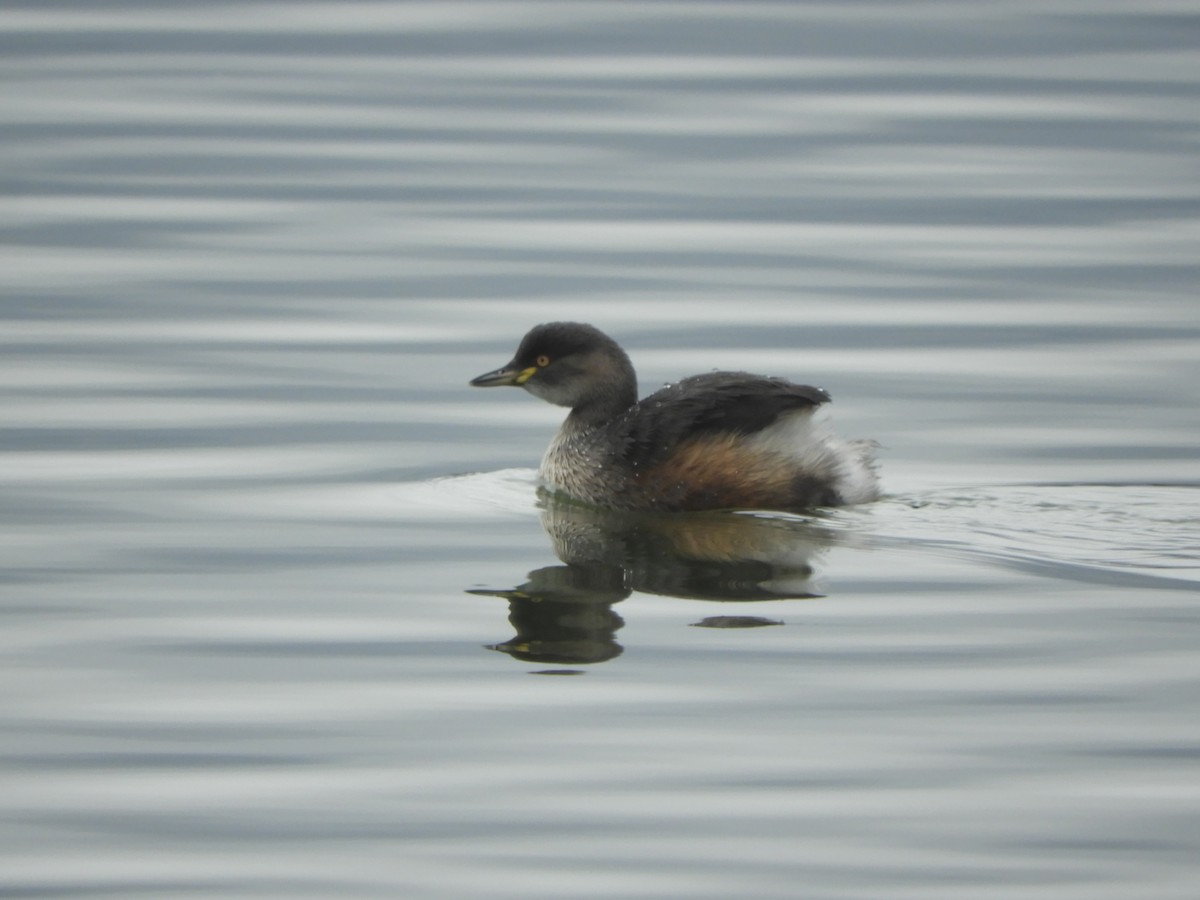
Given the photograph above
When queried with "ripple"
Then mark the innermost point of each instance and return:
(1137, 534)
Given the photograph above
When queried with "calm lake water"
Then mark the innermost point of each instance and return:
(284, 615)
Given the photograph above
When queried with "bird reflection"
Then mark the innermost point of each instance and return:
(564, 615)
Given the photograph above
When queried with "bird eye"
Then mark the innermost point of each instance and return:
(543, 361)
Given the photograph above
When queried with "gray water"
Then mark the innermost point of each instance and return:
(283, 613)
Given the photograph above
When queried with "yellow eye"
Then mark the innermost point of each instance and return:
(543, 361)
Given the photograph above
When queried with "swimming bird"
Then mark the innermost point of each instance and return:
(722, 440)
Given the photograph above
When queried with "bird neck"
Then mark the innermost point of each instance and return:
(604, 405)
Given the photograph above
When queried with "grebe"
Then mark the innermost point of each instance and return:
(725, 440)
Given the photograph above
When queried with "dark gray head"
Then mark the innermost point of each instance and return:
(570, 364)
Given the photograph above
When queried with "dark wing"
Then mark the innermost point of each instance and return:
(720, 402)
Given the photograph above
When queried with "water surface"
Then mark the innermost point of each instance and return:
(284, 613)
